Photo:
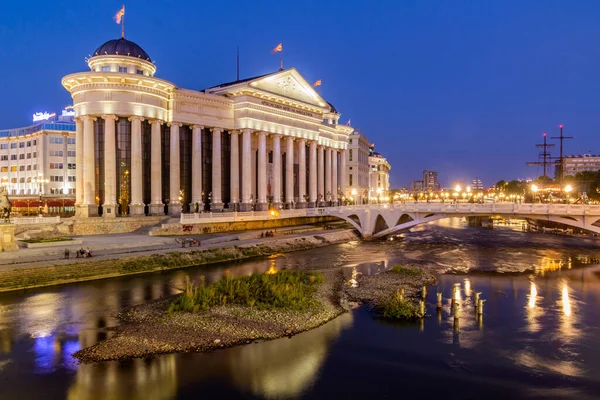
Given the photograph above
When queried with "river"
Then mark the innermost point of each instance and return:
(539, 336)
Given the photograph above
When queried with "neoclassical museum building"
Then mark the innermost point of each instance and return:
(147, 147)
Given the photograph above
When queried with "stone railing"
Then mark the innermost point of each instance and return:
(35, 220)
(210, 217)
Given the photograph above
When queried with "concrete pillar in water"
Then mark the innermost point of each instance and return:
(439, 300)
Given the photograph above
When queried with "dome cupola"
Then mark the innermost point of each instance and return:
(121, 56)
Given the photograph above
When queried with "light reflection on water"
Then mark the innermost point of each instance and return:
(537, 328)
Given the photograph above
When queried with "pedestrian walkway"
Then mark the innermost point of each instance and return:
(137, 244)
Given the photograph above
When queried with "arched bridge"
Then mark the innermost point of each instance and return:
(378, 220)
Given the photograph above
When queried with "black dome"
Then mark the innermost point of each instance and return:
(122, 47)
(333, 109)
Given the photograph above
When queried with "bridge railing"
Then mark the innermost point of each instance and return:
(473, 208)
(35, 220)
(215, 217)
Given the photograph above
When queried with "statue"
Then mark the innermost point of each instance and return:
(5, 204)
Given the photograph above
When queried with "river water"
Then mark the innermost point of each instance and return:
(539, 336)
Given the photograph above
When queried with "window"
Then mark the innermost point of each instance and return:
(21, 145)
(4, 157)
(4, 146)
(13, 145)
(29, 143)
(123, 69)
(350, 180)
(29, 180)
(29, 168)
(105, 69)
(350, 155)
(71, 165)
(34, 142)
(139, 72)
(22, 180)
(13, 180)
(34, 167)
(28, 155)
(70, 154)
(34, 154)
(21, 156)
(13, 168)
(4, 169)
(57, 178)
(21, 168)
(56, 153)
(71, 178)
(56, 165)
(56, 140)
(71, 140)
(13, 156)
(71, 191)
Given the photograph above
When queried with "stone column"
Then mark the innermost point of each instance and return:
(196, 168)
(109, 208)
(216, 201)
(234, 181)
(246, 170)
(328, 175)
(261, 197)
(334, 175)
(301, 173)
(276, 171)
(321, 176)
(289, 172)
(175, 186)
(136, 207)
(78, 162)
(156, 204)
(343, 172)
(89, 207)
(312, 171)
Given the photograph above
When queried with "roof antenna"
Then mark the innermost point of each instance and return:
(238, 64)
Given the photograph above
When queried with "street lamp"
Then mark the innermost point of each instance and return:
(568, 190)
(40, 181)
(534, 189)
(354, 193)
(457, 188)
(379, 190)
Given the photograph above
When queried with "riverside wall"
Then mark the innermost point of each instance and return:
(85, 270)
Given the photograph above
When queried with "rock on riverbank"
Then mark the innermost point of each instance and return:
(150, 330)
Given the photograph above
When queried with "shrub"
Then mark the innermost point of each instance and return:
(406, 271)
(285, 290)
(395, 306)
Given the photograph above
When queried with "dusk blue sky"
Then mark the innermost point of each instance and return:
(465, 88)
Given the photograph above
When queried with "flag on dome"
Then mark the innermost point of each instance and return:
(120, 14)
(317, 83)
(348, 123)
(277, 49)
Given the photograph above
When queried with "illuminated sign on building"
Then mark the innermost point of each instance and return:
(39, 116)
(68, 112)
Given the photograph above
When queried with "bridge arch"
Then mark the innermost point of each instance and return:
(380, 224)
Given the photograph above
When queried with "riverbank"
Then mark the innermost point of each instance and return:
(69, 271)
(151, 330)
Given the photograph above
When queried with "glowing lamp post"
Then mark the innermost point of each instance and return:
(568, 190)
(354, 193)
(534, 189)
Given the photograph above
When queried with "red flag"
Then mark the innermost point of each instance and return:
(277, 49)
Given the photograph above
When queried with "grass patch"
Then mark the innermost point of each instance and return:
(292, 290)
(47, 240)
(406, 271)
(395, 306)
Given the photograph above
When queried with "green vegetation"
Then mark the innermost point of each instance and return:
(406, 271)
(286, 289)
(47, 240)
(395, 306)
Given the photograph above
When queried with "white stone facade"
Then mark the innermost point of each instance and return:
(144, 143)
(379, 177)
(357, 188)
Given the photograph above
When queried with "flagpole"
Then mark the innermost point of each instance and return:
(123, 24)
(281, 58)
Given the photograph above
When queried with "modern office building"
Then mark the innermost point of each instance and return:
(38, 167)
(357, 188)
(476, 184)
(379, 176)
(146, 145)
(430, 181)
(417, 186)
(585, 162)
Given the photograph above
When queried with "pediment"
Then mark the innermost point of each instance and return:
(290, 84)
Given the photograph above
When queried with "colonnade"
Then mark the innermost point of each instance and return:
(324, 163)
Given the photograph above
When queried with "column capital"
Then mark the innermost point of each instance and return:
(109, 116)
(195, 126)
(247, 130)
(292, 138)
(275, 135)
(179, 124)
(136, 117)
(321, 146)
(87, 117)
(301, 140)
(156, 121)
(262, 133)
(216, 130)
(234, 132)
